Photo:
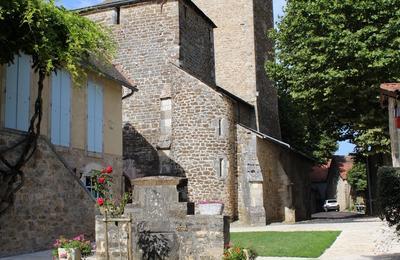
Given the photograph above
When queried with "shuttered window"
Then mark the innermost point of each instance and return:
(60, 108)
(18, 93)
(95, 118)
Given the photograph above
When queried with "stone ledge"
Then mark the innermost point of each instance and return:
(157, 181)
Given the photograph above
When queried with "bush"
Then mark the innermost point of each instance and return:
(389, 195)
(238, 253)
(357, 177)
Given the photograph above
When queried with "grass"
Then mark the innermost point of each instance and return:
(289, 244)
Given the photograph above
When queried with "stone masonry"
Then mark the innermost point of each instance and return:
(51, 203)
(157, 212)
(201, 87)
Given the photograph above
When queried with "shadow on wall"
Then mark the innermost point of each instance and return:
(141, 159)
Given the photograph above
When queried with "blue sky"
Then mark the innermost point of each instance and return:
(344, 147)
(73, 4)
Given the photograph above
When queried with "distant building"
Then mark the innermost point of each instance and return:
(329, 181)
(337, 184)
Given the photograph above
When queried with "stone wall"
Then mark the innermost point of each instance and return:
(147, 39)
(81, 164)
(204, 134)
(51, 203)
(298, 168)
(157, 214)
(196, 43)
(273, 181)
(234, 45)
(250, 194)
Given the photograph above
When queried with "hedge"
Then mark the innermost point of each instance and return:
(389, 195)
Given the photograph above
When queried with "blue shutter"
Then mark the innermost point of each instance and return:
(24, 72)
(60, 108)
(55, 107)
(99, 120)
(65, 111)
(18, 93)
(10, 120)
(90, 116)
(95, 118)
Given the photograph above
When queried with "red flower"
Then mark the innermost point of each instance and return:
(101, 180)
(109, 169)
(100, 201)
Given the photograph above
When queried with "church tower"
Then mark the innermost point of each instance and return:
(241, 50)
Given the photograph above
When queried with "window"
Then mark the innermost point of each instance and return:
(89, 184)
(18, 93)
(95, 118)
(165, 123)
(60, 108)
(222, 168)
(221, 126)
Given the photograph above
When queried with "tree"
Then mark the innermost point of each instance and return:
(331, 56)
(55, 38)
(357, 177)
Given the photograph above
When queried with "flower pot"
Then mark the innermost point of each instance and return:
(210, 208)
(69, 254)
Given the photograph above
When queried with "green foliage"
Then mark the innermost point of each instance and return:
(54, 37)
(331, 56)
(357, 177)
(389, 195)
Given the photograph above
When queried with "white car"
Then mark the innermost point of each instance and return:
(331, 204)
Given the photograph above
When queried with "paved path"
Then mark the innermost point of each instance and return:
(357, 240)
(43, 255)
(336, 215)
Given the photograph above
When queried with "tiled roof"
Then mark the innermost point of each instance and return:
(111, 71)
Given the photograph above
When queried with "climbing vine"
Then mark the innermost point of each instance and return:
(55, 38)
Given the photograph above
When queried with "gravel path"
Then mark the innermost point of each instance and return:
(361, 238)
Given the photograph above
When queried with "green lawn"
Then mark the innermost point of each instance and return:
(291, 244)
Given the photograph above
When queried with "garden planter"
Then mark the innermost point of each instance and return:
(211, 208)
(69, 254)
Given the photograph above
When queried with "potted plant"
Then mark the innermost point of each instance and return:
(238, 253)
(103, 181)
(210, 207)
(72, 249)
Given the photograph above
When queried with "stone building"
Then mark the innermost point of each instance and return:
(337, 185)
(80, 131)
(204, 108)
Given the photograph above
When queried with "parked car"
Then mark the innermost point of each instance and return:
(331, 204)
